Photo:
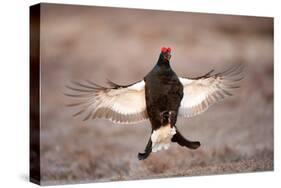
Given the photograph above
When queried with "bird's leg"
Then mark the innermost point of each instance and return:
(184, 142)
(164, 117)
(172, 118)
(147, 151)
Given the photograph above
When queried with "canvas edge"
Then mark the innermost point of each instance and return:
(34, 95)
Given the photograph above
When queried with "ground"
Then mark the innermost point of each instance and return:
(80, 43)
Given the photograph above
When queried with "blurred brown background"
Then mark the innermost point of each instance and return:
(80, 42)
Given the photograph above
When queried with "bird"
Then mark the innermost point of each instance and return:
(160, 97)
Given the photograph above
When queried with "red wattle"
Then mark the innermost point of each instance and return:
(163, 49)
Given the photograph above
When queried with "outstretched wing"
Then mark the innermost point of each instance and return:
(201, 92)
(120, 104)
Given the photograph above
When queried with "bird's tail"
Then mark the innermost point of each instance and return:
(178, 138)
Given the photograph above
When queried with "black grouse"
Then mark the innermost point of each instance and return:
(161, 97)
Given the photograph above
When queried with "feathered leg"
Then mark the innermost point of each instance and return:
(164, 117)
(172, 118)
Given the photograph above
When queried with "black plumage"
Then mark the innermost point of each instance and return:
(163, 94)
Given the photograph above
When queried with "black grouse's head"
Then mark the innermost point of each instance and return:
(165, 55)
